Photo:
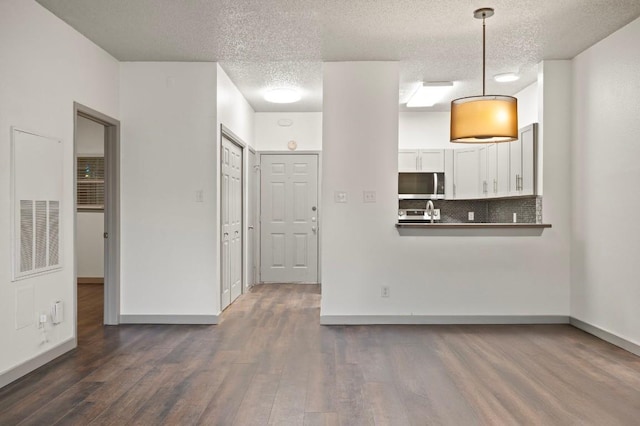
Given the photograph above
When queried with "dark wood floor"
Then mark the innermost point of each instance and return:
(269, 362)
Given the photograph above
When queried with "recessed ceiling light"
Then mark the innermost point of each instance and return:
(506, 77)
(282, 96)
(428, 94)
(285, 122)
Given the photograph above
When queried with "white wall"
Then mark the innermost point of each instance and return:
(46, 66)
(306, 130)
(424, 130)
(469, 273)
(90, 225)
(168, 152)
(235, 113)
(528, 105)
(89, 138)
(605, 289)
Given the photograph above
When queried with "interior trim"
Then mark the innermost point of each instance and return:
(441, 319)
(36, 362)
(169, 319)
(606, 336)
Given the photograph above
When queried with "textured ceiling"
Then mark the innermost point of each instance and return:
(269, 43)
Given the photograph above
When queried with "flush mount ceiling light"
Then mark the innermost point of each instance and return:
(486, 118)
(282, 96)
(429, 94)
(506, 77)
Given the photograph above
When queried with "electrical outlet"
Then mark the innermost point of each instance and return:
(384, 291)
(472, 216)
(369, 196)
(42, 320)
(340, 197)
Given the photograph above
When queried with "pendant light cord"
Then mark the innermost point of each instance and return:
(483, 56)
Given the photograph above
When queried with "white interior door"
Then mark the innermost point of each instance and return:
(231, 217)
(289, 218)
(252, 237)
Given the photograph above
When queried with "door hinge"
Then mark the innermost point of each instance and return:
(105, 235)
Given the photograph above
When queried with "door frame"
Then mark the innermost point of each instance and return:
(256, 224)
(225, 132)
(259, 225)
(111, 212)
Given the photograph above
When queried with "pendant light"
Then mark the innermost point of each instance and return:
(486, 118)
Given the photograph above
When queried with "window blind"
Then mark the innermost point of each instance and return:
(90, 178)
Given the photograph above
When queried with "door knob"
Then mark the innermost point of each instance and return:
(250, 226)
(314, 229)
(313, 219)
(314, 208)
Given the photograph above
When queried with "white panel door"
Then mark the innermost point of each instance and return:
(289, 218)
(252, 215)
(231, 216)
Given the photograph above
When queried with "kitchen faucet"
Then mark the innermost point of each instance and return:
(431, 211)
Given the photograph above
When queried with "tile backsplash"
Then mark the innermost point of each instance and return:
(527, 209)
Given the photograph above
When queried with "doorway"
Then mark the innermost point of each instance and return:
(231, 223)
(289, 218)
(97, 207)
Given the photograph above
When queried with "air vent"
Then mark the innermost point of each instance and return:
(26, 235)
(39, 236)
(54, 233)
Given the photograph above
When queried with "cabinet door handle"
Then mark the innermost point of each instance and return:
(495, 186)
(417, 162)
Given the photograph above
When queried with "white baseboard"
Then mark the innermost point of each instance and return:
(38, 361)
(606, 336)
(169, 319)
(441, 319)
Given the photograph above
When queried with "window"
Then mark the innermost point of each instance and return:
(90, 173)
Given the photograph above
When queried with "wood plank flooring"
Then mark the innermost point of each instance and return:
(270, 363)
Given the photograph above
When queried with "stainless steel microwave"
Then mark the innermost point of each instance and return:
(421, 186)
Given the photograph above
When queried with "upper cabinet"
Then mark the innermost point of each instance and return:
(466, 174)
(421, 160)
(496, 170)
(522, 164)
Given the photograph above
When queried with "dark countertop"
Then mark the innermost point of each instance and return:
(473, 225)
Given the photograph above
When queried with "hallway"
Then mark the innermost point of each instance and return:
(270, 362)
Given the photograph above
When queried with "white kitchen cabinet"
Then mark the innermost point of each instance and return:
(466, 173)
(448, 174)
(502, 170)
(483, 185)
(421, 160)
(492, 170)
(408, 160)
(522, 164)
(432, 160)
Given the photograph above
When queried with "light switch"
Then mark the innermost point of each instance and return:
(472, 216)
(340, 197)
(199, 196)
(369, 196)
